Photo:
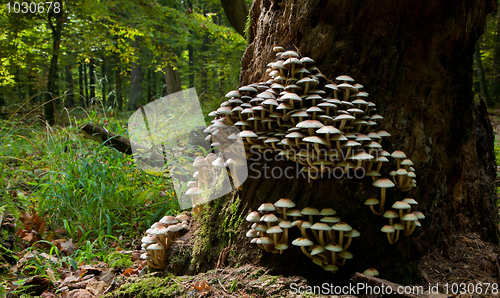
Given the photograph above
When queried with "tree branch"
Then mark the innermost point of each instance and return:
(236, 12)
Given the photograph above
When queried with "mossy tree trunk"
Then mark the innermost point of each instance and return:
(415, 60)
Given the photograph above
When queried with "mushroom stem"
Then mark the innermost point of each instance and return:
(304, 250)
(315, 235)
(389, 238)
(349, 240)
(321, 240)
(397, 236)
(373, 210)
(341, 238)
(382, 200)
(411, 230)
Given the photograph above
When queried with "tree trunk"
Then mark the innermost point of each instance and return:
(50, 102)
(415, 60)
(495, 81)
(81, 89)
(69, 87)
(86, 85)
(172, 80)
(481, 76)
(92, 81)
(135, 87)
(118, 80)
(236, 12)
(104, 81)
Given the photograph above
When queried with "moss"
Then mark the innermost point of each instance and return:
(119, 260)
(151, 287)
(248, 30)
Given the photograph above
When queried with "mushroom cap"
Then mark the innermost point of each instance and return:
(401, 205)
(182, 217)
(317, 249)
(269, 218)
(149, 239)
(252, 233)
(248, 134)
(321, 227)
(310, 124)
(362, 156)
(265, 240)
(254, 216)
(219, 162)
(342, 226)
(274, 230)
(371, 272)
(155, 246)
(305, 224)
(261, 228)
(281, 246)
(294, 212)
(284, 203)
(383, 183)
(345, 78)
(388, 229)
(266, 207)
(410, 201)
(168, 220)
(352, 234)
(192, 184)
(330, 219)
(371, 201)
(346, 255)
(328, 211)
(419, 214)
(193, 191)
(334, 247)
(233, 93)
(315, 139)
(409, 217)
(302, 242)
(175, 228)
(285, 224)
(398, 226)
(397, 153)
(200, 161)
(331, 267)
(310, 211)
(390, 214)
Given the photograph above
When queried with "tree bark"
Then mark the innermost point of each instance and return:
(56, 30)
(172, 80)
(415, 60)
(481, 76)
(236, 12)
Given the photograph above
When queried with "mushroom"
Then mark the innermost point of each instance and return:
(342, 227)
(389, 230)
(303, 242)
(382, 183)
(284, 203)
(321, 227)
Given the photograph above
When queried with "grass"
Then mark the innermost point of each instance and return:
(84, 190)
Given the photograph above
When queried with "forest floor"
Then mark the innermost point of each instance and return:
(468, 260)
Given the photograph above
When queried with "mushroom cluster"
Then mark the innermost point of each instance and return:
(327, 247)
(159, 238)
(325, 126)
(403, 179)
